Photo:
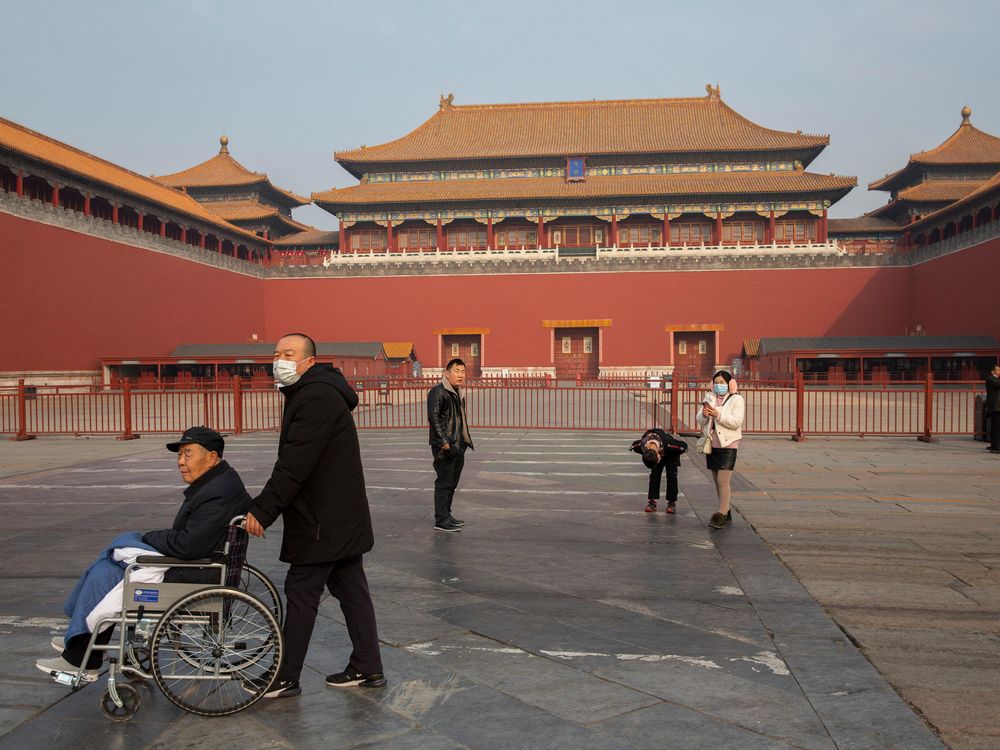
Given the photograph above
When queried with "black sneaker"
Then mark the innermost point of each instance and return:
(351, 677)
(456, 521)
(278, 689)
(446, 526)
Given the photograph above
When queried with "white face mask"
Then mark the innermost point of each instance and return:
(284, 372)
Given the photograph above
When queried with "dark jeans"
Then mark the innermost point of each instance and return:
(654, 482)
(995, 430)
(448, 466)
(348, 584)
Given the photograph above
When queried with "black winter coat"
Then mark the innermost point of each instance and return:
(199, 529)
(672, 447)
(445, 413)
(318, 483)
(992, 393)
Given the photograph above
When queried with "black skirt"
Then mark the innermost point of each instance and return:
(721, 459)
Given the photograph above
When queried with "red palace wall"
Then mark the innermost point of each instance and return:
(959, 293)
(750, 304)
(68, 299)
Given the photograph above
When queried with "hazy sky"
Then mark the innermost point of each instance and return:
(152, 85)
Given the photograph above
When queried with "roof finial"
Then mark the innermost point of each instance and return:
(713, 91)
(446, 101)
(966, 114)
(224, 140)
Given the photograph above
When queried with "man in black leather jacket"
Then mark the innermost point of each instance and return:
(449, 439)
(318, 487)
(992, 407)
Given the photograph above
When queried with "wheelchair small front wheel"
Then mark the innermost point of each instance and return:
(129, 697)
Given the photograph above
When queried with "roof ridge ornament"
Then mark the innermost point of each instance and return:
(223, 144)
(714, 92)
(966, 114)
(446, 101)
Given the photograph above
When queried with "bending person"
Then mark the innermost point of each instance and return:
(721, 418)
(215, 494)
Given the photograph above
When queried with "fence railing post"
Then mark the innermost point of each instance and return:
(800, 407)
(237, 407)
(22, 414)
(127, 413)
(928, 410)
(675, 398)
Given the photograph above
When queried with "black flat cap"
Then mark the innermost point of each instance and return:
(206, 437)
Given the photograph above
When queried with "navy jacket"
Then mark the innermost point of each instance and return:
(199, 529)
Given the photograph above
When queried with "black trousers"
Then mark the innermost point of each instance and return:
(448, 467)
(76, 647)
(995, 430)
(654, 482)
(346, 581)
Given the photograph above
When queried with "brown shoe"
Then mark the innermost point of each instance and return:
(718, 520)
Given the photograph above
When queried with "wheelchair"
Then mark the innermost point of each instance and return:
(212, 649)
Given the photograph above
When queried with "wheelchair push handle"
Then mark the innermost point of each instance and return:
(238, 520)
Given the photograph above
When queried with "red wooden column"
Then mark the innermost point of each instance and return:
(20, 183)
(440, 234)
(86, 204)
(163, 228)
(717, 232)
(55, 194)
(489, 235)
(388, 237)
(139, 222)
(345, 239)
(770, 228)
(114, 213)
(614, 230)
(822, 228)
(666, 230)
(201, 240)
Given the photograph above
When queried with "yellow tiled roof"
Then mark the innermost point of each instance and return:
(633, 126)
(27, 142)
(251, 210)
(968, 145)
(630, 186)
(933, 191)
(309, 237)
(397, 349)
(222, 170)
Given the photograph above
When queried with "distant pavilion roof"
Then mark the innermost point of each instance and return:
(555, 129)
(222, 170)
(966, 146)
(628, 186)
(991, 185)
(252, 210)
(858, 224)
(876, 343)
(34, 145)
(309, 237)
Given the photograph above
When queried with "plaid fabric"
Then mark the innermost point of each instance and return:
(237, 541)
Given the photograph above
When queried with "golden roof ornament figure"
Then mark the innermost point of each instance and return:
(224, 141)
(966, 114)
(446, 101)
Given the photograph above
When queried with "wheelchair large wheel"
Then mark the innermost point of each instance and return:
(255, 583)
(216, 651)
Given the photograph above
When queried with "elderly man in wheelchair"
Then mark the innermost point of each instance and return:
(192, 614)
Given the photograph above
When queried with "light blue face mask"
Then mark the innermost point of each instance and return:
(721, 388)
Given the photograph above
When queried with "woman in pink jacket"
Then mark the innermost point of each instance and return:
(721, 418)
